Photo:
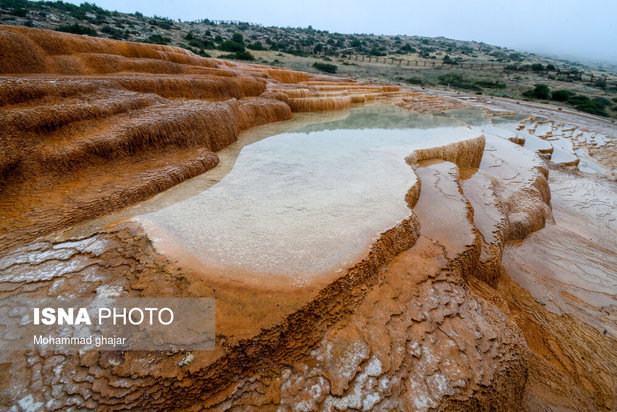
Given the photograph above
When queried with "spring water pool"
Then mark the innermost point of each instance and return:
(307, 202)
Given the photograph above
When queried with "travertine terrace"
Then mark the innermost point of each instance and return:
(462, 303)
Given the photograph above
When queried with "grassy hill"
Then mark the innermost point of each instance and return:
(407, 60)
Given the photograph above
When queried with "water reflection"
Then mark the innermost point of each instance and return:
(307, 202)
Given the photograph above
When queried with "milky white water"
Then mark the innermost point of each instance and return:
(306, 202)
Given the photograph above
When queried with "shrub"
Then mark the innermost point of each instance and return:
(541, 91)
(601, 101)
(256, 46)
(244, 55)
(239, 55)
(592, 107)
(537, 67)
(490, 84)
(356, 43)
(597, 105)
(201, 44)
(517, 57)
(232, 46)
(513, 68)
(237, 37)
(296, 52)
(407, 49)
(158, 39)
(529, 94)
(600, 83)
(113, 32)
(458, 82)
(578, 99)
(77, 29)
(19, 12)
(161, 22)
(325, 67)
(562, 95)
(376, 52)
(415, 80)
(448, 60)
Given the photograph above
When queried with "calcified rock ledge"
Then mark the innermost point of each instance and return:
(88, 105)
(429, 319)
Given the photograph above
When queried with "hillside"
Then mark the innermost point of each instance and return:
(405, 60)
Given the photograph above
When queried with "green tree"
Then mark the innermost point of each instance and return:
(237, 37)
(356, 43)
(407, 48)
(448, 60)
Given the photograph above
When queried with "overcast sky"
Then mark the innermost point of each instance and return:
(568, 28)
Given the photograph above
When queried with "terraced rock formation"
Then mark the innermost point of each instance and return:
(155, 118)
(438, 314)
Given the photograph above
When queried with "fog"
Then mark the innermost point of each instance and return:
(566, 28)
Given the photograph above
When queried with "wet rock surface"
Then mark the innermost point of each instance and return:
(494, 291)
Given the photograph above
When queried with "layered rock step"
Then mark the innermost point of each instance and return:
(562, 144)
(70, 161)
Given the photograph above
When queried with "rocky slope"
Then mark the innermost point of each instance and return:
(438, 315)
